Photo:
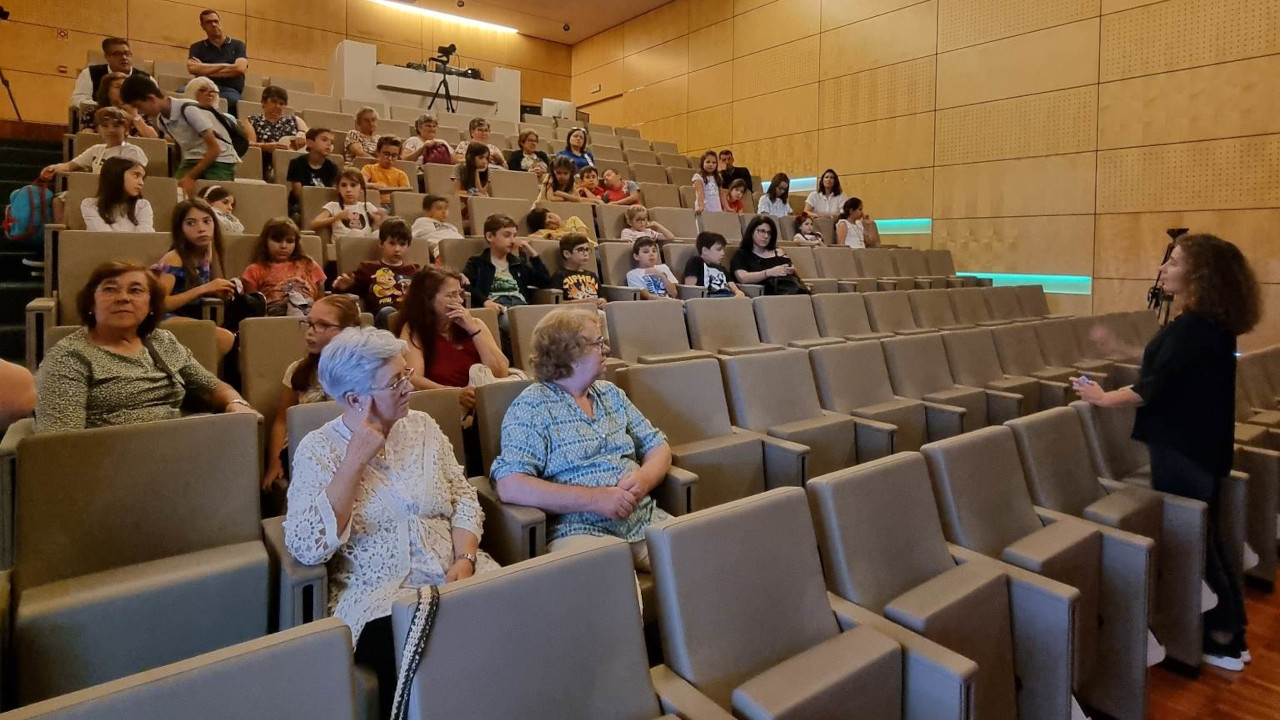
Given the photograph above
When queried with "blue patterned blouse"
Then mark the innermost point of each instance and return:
(546, 435)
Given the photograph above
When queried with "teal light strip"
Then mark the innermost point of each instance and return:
(904, 226)
(1058, 284)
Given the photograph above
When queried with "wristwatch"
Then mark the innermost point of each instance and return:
(467, 556)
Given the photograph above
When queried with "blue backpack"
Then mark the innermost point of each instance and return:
(30, 208)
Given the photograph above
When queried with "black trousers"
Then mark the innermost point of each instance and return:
(377, 651)
(1175, 473)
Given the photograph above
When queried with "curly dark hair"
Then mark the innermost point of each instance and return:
(1220, 284)
(114, 269)
(418, 312)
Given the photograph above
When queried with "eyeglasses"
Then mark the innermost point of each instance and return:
(599, 343)
(317, 325)
(120, 53)
(399, 382)
(582, 249)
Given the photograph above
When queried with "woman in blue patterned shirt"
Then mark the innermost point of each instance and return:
(574, 445)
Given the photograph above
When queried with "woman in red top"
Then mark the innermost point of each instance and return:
(445, 340)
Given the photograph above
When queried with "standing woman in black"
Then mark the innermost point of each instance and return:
(1186, 407)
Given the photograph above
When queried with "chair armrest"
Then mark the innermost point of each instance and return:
(8, 479)
(675, 494)
(511, 532)
(1002, 406)
(937, 683)
(678, 697)
(301, 591)
(1250, 435)
(868, 336)
(943, 421)
(662, 358)
(822, 285)
(856, 285)
(751, 290)
(785, 463)
(911, 332)
(1131, 509)
(212, 309)
(886, 284)
(619, 292)
(874, 439)
(1263, 467)
(1103, 379)
(815, 342)
(42, 314)
(686, 292)
(748, 349)
(547, 296)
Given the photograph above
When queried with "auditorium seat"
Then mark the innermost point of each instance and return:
(634, 143)
(618, 166)
(196, 335)
(972, 357)
(239, 250)
(852, 378)
(513, 184)
(839, 263)
(132, 555)
(664, 146)
(280, 160)
(161, 192)
(686, 192)
(613, 154)
(481, 208)
(766, 640)
(883, 549)
(724, 223)
(932, 309)
(1051, 445)
(638, 156)
(311, 203)
(844, 315)
(982, 498)
(503, 127)
(890, 312)
(1019, 352)
(912, 263)
(339, 122)
(1034, 303)
(788, 320)
(523, 319)
(250, 165)
(293, 85)
(268, 345)
(1262, 465)
(681, 222)
(1109, 337)
(918, 369)
(878, 263)
(970, 306)
(725, 326)
(774, 393)
(1002, 303)
(409, 206)
(678, 175)
(610, 222)
(437, 178)
(1058, 345)
(583, 211)
(626, 132)
(156, 150)
(454, 252)
(302, 672)
(941, 263)
(615, 259)
(686, 400)
(643, 173)
(659, 195)
(256, 202)
(648, 331)
(806, 268)
(576, 654)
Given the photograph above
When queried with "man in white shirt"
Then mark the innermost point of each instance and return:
(119, 59)
(207, 152)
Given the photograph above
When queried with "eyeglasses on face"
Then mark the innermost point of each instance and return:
(399, 382)
(317, 325)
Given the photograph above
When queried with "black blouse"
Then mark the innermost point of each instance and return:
(1188, 385)
(751, 262)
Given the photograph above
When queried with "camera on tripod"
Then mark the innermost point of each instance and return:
(1157, 299)
(446, 52)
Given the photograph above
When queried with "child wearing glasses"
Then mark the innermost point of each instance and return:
(383, 175)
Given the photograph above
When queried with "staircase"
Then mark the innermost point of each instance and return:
(20, 163)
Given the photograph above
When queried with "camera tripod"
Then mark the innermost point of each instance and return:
(442, 67)
(4, 15)
(1157, 298)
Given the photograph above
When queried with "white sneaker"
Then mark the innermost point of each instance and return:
(1251, 558)
(1246, 657)
(1076, 712)
(1155, 651)
(1234, 664)
(1208, 598)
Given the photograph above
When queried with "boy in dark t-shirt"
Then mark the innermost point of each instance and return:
(314, 169)
(574, 279)
(382, 284)
(705, 269)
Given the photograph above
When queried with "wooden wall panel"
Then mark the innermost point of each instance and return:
(1045, 124)
(613, 80)
(1130, 245)
(780, 113)
(711, 45)
(900, 89)
(1156, 38)
(1054, 185)
(708, 12)
(899, 143)
(741, 6)
(1218, 101)
(1214, 174)
(290, 44)
(1069, 304)
(655, 27)
(796, 155)
(152, 51)
(1110, 295)
(1113, 6)
(785, 66)
(659, 100)
(534, 86)
(319, 78)
(392, 53)
(962, 23)
(366, 19)
(920, 241)
(837, 13)
(672, 129)
(222, 6)
(598, 50)
(710, 128)
(67, 52)
(612, 111)
(1020, 245)
(168, 23)
(328, 15)
(775, 24)
(1061, 57)
(660, 62)
(712, 86)
(104, 17)
(898, 36)
(39, 96)
(896, 194)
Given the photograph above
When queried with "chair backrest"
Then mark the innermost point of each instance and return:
(256, 203)
(672, 159)
(198, 336)
(783, 319)
(1145, 324)
(874, 262)
(321, 113)
(523, 319)
(615, 261)
(582, 603)
(725, 223)
(878, 529)
(804, 262)
(1052, 447)
(353, 250)
(645, 327)
(971, 355)
(492, 402)
(646, 173)
(618, 166)
(836, 262)
(80, 251)
(850, 376)
(659, 195)
(980, 490)
(917, 365)
(1003, 303)
(238, 251)
(626, 132)
(686, 191)
(79, 518)
(969, 305)
(437, 178)
(304, 670)
(566, 210)
(716, 323)
(441, 404)
(293, 85)
(639, 156)
(931, 308)
(841, 314)
(632, 143)
(680, 221)
(409, 206)
(1018, 348)
(1116, 455)
(1057, 341)
(156, 150)
(267, 346)
(890, 311)
(911, 262)
(686, 399)
(770, 389)
(1032, 300)
(513, 184)
(723, 623)
(612, 154)
(455, 251)
(611, 221)
(663, 146)
(481, 208)
(940, 262)
(161, 192)
(250, 165)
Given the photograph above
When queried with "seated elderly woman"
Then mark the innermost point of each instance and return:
(119, 368)
(574, 445)
(378, 495)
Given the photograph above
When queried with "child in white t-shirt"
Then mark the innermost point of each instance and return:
(805, 232)
(353, 215)
(654, 279)
(433, 226)
(113, 124)
(640, 226)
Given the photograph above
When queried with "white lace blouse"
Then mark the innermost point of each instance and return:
(411, 498)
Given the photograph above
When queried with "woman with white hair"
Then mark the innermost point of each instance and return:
(378, 495)
(202, 90)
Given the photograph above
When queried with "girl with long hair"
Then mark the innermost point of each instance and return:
(119, 206)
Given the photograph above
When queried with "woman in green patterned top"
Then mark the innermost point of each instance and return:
(119, 368)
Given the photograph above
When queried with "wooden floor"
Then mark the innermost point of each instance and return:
(1220, 695)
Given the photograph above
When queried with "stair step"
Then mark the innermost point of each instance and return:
(13, 343)
(14, 297)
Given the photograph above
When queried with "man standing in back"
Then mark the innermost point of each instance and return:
(219, 58)
(729, 172)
